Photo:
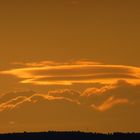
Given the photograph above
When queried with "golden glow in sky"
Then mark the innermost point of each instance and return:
(69, 65)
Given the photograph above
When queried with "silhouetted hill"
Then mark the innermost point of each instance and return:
(51, 135)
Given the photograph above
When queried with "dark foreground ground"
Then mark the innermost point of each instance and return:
(69, 136)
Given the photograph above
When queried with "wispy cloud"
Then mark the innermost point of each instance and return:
(98, 91)
(109, 103)
(99, 99)
(12, 103)
(17, 101)
(54, 73)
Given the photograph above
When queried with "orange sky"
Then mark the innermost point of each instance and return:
(69, 65)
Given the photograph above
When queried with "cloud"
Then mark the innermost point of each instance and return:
(107, 97)
(109, 103)
(101, 99)
(98, 91)
(78, 72)
(17, 101)
(12, 103)
(66, 93)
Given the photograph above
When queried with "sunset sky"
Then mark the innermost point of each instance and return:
(70, 65)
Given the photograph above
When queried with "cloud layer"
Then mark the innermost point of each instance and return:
(79, 72)
(101, 99)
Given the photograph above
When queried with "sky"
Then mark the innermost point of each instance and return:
(69, 65)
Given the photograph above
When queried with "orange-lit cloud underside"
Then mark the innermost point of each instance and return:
(52, 73)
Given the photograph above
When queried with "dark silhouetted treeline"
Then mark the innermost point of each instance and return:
(52, 135)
